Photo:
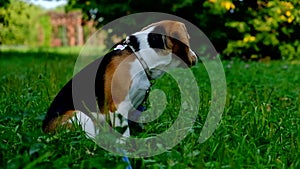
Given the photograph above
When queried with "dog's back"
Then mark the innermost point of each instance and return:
(82, 87)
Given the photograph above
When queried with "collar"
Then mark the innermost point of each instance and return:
(138, 56)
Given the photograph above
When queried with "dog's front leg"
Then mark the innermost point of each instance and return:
(119, 123)
(127, 111)
(119, 119)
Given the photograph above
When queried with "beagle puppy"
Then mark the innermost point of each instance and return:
(116, 84)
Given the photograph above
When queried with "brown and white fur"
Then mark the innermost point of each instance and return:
(121, 78)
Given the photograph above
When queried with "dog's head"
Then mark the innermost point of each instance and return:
(165, 37)
(172, 37)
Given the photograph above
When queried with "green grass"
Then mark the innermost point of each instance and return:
(259, 127)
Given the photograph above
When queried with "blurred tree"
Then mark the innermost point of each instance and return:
(104, 11)
(265, 29)
(3, 3)
(19, 23)
(250, 29)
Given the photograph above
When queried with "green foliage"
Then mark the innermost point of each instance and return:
(19, 23)
(105, 8)
(3, 2)
(259, 128)
(250, 29)
(269, 32)
(46, 30)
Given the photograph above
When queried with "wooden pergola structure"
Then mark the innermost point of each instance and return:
(67, 29)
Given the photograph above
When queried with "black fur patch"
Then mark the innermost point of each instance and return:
(133, 41)
(155, 38)
(156, 41)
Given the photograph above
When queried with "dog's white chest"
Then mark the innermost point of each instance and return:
(139, 85)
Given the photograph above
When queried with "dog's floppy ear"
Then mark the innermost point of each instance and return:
(179, 32)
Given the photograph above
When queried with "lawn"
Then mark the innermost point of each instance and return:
(259, 127)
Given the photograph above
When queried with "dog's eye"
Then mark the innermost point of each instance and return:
(154, 36)
(156, 41)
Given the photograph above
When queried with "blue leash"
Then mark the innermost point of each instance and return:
(135, 115)
(125, 159)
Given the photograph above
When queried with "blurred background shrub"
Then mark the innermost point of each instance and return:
(248, 29)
